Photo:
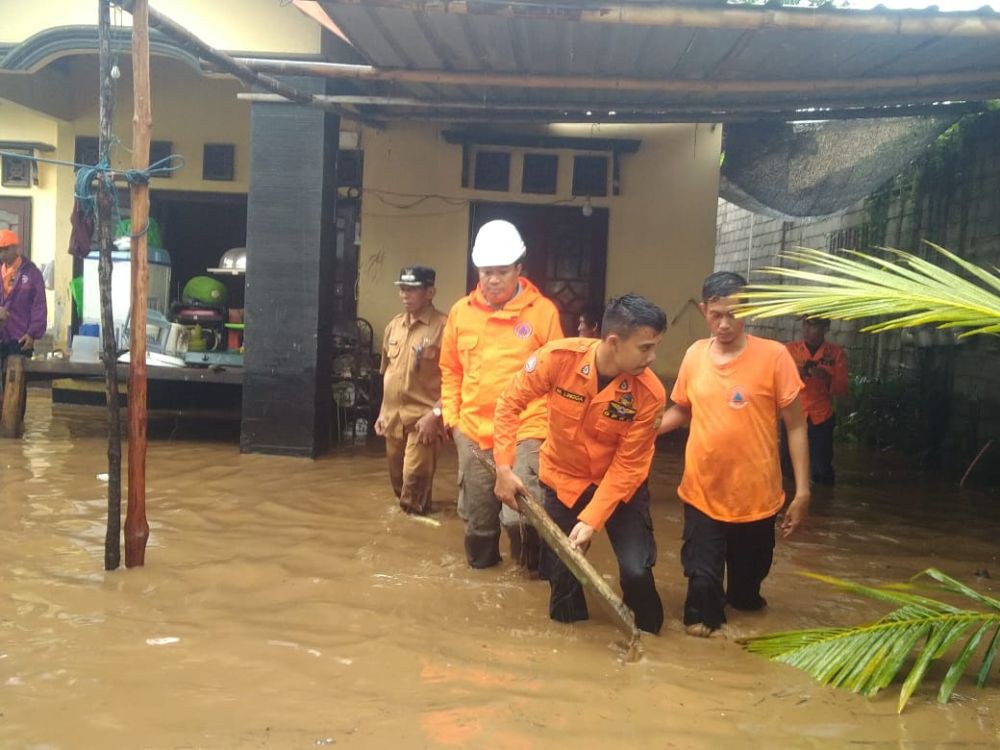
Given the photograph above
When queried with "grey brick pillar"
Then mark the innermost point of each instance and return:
(291, 246)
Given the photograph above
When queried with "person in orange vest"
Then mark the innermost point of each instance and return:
(410, 416)
(823, 369)
(604, 405)
(489, 335)
(731, 389)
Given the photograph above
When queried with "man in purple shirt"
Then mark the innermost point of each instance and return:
(22, 299)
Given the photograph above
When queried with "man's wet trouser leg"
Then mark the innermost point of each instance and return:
(566, 601)
(525, 544)
(630, 530)
(479, 507)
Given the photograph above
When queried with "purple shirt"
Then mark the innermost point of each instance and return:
(25, 305)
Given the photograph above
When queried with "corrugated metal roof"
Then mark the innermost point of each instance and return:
(769, 69)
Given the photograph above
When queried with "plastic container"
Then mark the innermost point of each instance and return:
(84, 349)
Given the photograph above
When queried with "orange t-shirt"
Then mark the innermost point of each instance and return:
(9, 274)
(731, 467)
(817, 399)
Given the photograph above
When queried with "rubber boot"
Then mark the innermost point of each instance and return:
(482, 551)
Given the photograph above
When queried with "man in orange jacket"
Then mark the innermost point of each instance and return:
(604, 407)
(489, 335)
(823, 369)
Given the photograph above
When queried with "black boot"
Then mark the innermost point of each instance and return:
(482, 551)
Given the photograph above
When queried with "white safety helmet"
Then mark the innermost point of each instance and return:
(498, 243)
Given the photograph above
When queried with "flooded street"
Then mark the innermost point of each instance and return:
(287, 603)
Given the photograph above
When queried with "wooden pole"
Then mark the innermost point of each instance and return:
(112, 538)
(989, 80)
(496, 111)
(136, 527)
(910, 23)
(15, 394)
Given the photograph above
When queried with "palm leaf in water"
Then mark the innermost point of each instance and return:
(867, 658)
(904, 288)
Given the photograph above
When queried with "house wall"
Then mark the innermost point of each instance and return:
(660, 233)
(263, 26)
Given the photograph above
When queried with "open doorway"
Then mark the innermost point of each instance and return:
(567, 252)
(197, 228)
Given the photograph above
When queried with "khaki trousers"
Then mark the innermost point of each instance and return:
(411, 466)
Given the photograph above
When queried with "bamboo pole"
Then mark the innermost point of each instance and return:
(945, 82)
(227, 63)
(575, 560)
(136, 527)
(112, 537)
(664, 15)
(495, 110)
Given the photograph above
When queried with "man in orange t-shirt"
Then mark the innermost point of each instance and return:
(603, 407)
(823, 368)
(730, 389)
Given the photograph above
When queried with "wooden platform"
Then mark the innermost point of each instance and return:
(48, 369)
(20, 370)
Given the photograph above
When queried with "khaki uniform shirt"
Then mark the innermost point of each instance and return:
(412, 377)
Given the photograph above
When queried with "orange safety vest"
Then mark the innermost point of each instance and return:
(481, 351)
(817, 398)
(604, 438)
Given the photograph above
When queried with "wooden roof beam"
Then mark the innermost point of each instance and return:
(224, 62)
(907, 23)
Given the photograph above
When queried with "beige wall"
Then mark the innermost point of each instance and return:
(661, 228)
(263, 26)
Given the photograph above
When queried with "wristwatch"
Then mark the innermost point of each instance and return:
(436, 411)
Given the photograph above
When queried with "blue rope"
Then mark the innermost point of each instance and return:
(87, 175)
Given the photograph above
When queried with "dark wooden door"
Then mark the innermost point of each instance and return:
(15, 213)
(567, 252)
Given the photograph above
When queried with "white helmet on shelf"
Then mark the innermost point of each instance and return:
(498, 243)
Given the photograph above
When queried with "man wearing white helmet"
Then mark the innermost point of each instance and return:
(489, 335)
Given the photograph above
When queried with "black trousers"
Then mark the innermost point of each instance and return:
(630, 529)
(713, 550)
(820, 452)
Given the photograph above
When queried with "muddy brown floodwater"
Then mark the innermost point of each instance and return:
(286, 603)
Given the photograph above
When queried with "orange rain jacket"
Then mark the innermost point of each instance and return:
(604, 438)
(817, 398)
(482, 349)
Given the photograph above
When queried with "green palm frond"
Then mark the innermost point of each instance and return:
(867, 658)
(908, 290)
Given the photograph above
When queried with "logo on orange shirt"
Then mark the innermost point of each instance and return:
(737, 397)
(523, 330)
(531, 364)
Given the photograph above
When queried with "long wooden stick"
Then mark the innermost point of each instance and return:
(669, 15)
(575, 560)
(112, 537)
(975, 461)
(136, 527)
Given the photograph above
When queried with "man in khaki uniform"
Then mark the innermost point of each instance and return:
(410, 417)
